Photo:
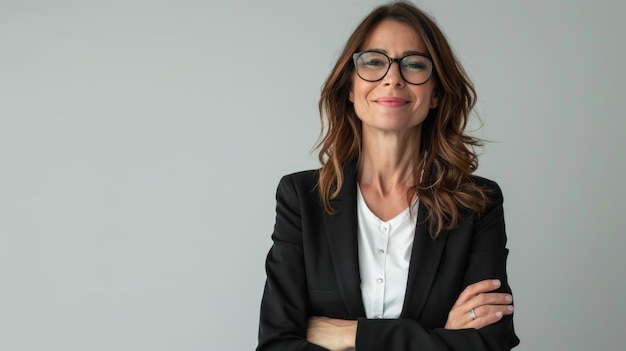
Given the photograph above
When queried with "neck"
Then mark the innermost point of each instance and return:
(389, 161)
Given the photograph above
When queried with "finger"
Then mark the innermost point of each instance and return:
(486, 320)
(488, 310)
(482, 305)
(484, 299)
(487, 315)
(477, 288)
(490, 299)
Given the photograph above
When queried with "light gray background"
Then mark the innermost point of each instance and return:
(141, 143)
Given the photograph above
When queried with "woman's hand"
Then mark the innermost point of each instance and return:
(333, 334)
(487, 307)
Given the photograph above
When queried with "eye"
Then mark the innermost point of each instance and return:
(373, 60)
(415, 63)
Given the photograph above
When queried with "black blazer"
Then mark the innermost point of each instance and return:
(313, 270)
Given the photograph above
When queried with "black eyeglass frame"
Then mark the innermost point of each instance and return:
(357, 55)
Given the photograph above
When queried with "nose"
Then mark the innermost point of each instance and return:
(394, 76)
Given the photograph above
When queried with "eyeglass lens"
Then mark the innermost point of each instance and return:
(373, 66)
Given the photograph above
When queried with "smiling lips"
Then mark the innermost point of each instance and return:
(391, 101)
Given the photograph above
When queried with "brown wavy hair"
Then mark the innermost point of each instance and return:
(446, 151)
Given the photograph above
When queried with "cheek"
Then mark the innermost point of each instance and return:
(426, 97)
(359, 93)
(431, 93)
(358, 97)
(434, 100)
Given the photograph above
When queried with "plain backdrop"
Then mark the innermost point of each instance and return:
(141, 143)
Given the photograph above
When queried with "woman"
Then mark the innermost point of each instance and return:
(393, 244)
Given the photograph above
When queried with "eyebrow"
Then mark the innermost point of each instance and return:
(410, 52)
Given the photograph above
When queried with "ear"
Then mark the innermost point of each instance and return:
(351, 96)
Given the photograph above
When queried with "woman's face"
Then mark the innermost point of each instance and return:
(391, 105)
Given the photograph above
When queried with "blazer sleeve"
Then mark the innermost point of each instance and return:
(487, 260)
(284, 306)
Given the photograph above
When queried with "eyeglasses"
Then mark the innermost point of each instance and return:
(372, 66)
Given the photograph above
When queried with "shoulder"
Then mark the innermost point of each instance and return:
(302, 177)
(298, 183)
(491, 188)
(301, 180)
(484, 182)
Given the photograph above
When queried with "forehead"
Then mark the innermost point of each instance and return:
(394, 37)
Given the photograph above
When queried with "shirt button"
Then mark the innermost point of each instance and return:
(379, 280)
(381, 251)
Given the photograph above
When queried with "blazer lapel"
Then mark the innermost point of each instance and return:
(425, 258)
(341, 229)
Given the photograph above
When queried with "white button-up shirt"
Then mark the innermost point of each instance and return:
(384, 257)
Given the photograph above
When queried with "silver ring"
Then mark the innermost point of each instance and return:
(472, 314)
